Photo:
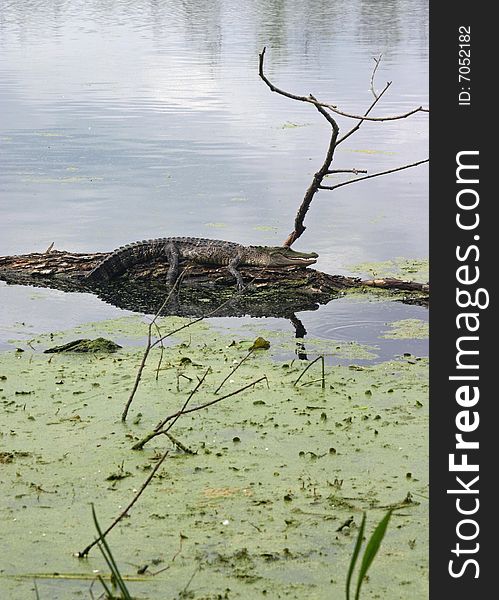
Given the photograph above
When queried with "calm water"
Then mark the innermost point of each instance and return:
(124, 120)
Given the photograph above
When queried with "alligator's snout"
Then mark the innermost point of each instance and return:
(310, 259)
(291, 257)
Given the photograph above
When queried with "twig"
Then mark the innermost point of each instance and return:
(148, 348)
(308, 367)
(211, 402)
(201, 318)
(139, 373)
(173, 558)
(182, 410)
(179, 375)
(331, 107)
(160, 361)
(177, 285)
(338, 185)
(150, 345)
(325, 169)
(373, 104)
(234, 369)
(311, 382)
(178, 443)
(89, 591)
(184, 591)
(159, 428)
(377, 61)
(146, 482)
(299, 227)
(86, 550)
(355, 171)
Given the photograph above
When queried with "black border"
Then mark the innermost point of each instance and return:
(455, 128)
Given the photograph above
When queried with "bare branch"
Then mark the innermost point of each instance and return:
(326, 110)
(150, 344)
(234, 369)
(308, 367)
(391, 283)
(159, 341)
(377, 61)
(316, 182)
(180, 445)
(184, 407)
(333, 187)
(356, 127)
(331, 107)
(387, 118)
(183, 411)
(211, 313)
(355, 171)
(123, 513)
(206, 404)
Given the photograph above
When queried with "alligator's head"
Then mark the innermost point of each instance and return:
(279, 256)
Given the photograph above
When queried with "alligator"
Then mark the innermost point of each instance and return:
(200, 251)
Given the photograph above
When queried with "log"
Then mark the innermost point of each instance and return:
(269, 292)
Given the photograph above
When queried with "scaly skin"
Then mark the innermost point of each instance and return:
(197, 250)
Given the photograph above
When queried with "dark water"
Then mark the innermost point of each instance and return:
(125, 120)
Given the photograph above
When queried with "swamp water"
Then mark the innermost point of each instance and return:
(260, 508)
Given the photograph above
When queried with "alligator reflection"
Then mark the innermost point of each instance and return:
(197, 303)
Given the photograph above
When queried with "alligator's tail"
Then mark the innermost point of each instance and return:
(120, 261)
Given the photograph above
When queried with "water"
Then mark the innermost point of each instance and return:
(127, 120)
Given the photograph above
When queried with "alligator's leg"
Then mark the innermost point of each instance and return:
(172, 253)
(232, 266)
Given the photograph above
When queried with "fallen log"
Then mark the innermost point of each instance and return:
(269, 291)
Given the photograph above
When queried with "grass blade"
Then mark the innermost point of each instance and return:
(355, 555)
(108, 556)
(371, 550)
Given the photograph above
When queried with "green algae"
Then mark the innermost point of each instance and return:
(51, 134)
(412, 269)
(369, 151)
(415, 329)
(266, 228)
(268, 504)
(290, 125)
(130, 330)
(62, 180)
(218, 225)
(281, 343)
